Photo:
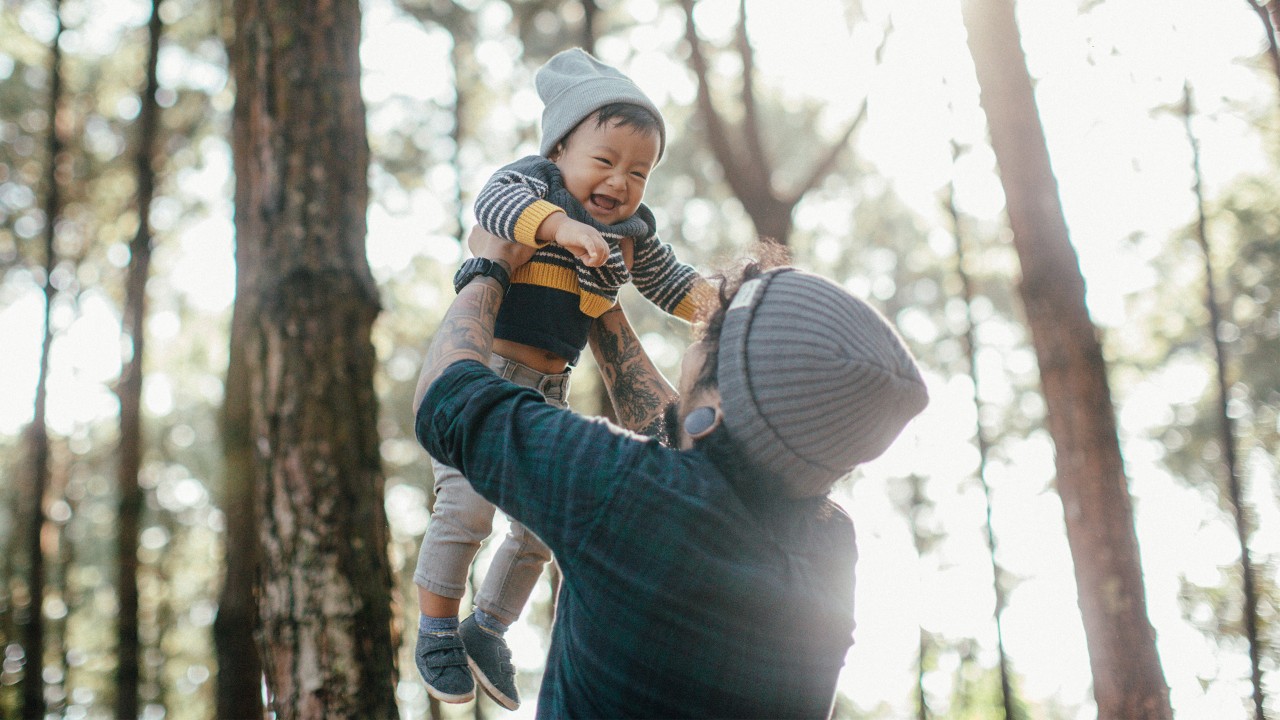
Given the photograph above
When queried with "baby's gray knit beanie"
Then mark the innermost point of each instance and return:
(812, 380)
(573, 84)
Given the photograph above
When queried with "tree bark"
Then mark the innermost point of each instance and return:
(590, 11)
(33, 705)
(239, 683)
(130, 388)
(60, 554)
(325, 604)
(239, 689)
(969, 340)
(1226, 426)
(1269, 15)
(1128, 680)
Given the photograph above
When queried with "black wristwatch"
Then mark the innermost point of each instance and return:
(475, 267)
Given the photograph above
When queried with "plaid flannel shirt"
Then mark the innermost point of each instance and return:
(678, 599)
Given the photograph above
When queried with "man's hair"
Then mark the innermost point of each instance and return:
(769, 255)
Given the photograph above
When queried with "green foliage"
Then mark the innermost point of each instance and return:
(23, 85)
(434, 152)
(1242, 227)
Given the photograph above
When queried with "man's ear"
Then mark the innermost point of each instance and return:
(702, 420)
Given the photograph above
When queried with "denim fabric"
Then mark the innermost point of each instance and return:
(461, 520)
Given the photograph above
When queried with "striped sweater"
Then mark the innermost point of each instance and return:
(554, 298)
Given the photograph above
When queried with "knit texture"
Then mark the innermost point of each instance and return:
(573, 84)
(812, 380)
(521, 193)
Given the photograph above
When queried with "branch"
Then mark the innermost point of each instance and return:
(1269, 14)
(717, 138)
(825, 166)
(750, 109)
(828, 162)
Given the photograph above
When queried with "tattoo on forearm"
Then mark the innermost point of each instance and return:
(467, 329)
(638, 392)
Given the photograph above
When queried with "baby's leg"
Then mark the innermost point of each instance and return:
(460, 521)
(522, 555)
(512, 574)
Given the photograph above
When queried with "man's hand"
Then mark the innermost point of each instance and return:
(487, 245)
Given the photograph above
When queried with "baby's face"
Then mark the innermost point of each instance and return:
(606, 167)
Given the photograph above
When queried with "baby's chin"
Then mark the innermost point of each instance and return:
(608, 218)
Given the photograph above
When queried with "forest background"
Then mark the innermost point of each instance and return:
(1162, 124)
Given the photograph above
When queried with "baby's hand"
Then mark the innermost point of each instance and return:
(584, 241)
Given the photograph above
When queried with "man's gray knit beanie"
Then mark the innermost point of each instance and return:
(573, 84)
(812, 380)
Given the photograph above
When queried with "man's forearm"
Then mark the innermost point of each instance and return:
(638, 391)
(466, 333)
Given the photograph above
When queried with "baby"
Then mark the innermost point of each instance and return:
(579, 204)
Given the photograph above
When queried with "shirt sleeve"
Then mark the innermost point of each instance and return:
(674, 286)
(512, 204)
(551, 469)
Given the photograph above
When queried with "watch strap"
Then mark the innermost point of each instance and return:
(477, 267)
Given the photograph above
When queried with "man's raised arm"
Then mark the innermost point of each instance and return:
(466, 333)
(638, 391)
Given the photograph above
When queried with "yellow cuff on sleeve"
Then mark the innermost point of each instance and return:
(698, 302)
(593, 305)
(529, 220)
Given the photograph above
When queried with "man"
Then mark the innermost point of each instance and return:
(715, 578)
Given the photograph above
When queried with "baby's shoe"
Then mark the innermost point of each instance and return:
(442, 662)
(490, 661)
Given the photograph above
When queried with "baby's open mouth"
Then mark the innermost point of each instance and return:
(604, 202)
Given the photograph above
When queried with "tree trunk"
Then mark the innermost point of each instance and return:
(130, 389)
(239, 689)
(239, 683)
(325, 604)
(916, 507)
(1226, 426)
(33, 623)
(969, 340)
(60, 553)
(1128, 680)
(1269, 16)
(590, 10)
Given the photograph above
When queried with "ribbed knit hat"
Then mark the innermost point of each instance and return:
(812, 380)
(573, 84)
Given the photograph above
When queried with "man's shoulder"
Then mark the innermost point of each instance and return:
(684, 486)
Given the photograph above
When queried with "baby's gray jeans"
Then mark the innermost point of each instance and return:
(461, 520)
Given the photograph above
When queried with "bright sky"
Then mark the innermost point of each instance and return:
(1122, 169)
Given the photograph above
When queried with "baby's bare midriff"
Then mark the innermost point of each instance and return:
(544, 362)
